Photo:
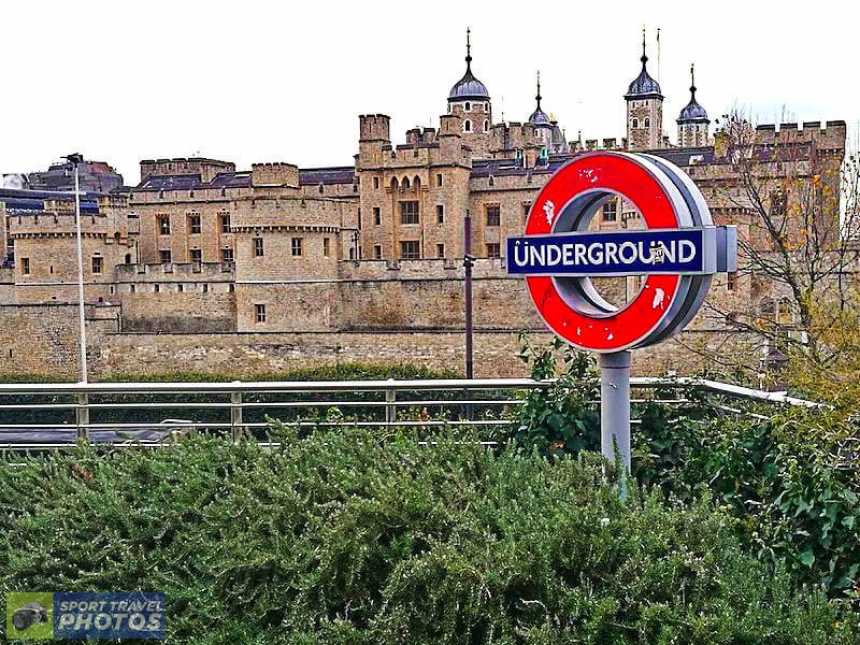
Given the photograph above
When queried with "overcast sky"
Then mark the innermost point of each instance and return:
(282, 81)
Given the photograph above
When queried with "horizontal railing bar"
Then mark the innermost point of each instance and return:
(272, 386)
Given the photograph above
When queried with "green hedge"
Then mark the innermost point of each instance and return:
(351, 537)
(788, 475)
(340, 372)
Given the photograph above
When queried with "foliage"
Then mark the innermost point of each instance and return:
(352, 537)
(788, 475)
(798, 229)
(560, 418)
(833, 380)
(342, 372)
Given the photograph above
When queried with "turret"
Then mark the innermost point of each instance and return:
(693, 121)
(644, 109)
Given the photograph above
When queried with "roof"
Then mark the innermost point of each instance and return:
(469, 88)
(643, 86)
(540, 118)
(17, 200)
(327, 176)
(684, 157)
(242, 179)
(693, 112)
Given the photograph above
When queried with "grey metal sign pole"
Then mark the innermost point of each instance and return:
(615, 407)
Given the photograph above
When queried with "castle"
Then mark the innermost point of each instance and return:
(217, 268)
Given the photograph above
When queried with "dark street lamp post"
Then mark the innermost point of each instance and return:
(468, 261)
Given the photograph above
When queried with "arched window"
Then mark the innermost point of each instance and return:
(394, 183)
(486, 125)
(467, 126)
(647, 123)
(635, 123)
(405, 183)
(416, 183)
(468, 107)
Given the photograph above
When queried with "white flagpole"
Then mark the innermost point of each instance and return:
(81, 315)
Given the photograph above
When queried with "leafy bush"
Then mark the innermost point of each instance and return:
(351, 537)
(788, 475)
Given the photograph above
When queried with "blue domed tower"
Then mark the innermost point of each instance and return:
(541, 120)
(470, 99)
(693, 122)
(644, 109)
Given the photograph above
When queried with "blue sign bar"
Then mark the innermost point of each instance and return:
(681, 251)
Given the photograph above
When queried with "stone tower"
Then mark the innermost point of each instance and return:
(470, 100)
(693, 121)
(644, 109)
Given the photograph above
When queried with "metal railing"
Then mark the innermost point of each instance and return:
(52, 415)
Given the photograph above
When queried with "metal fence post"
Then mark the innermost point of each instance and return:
(390, 409)
(236, 415)
(82, 416)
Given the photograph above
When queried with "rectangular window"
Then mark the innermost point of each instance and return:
(408, 212)
(494, 215)
(224, 219)
(25, 266)
(296, 246)
(377, 216)
(440, 250)
(376, 182)
(778, 203)
(165, 256)
(260, 313)
(164, 224)
(731, 281)
(194, 224)
(526, 209)
(493, 251)
(440, 214)
(196, 255)
(409, 250)
(610, 211)
(439, 179)
(98, 263)
(377, 252)
(226, 255)
(258, 247)
(326, 247)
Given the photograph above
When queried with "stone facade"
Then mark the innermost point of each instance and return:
(207, 267)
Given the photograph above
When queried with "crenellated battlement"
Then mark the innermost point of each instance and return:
(178, 272)
(206, 168)
(278, 174)
(374, 128)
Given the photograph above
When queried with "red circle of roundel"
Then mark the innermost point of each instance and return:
(632, 324)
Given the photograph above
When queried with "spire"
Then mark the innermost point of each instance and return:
(468, 49)
(693, 112)
(644, 86)
(692, 82)
(469, 87)
(538, 96)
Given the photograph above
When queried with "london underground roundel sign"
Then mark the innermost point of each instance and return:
(677, 252)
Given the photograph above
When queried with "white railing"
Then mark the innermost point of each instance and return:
(147, 413)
